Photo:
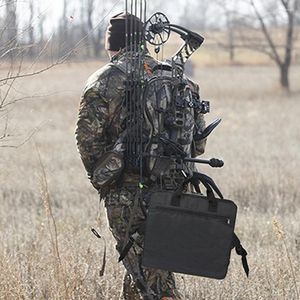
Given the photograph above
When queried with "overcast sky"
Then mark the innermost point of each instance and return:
(53, 9)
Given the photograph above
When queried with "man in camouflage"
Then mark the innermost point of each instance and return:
(100, 137)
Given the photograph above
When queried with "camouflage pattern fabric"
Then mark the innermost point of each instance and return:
(99, 135)
(139, 282)
(101, 116)
(98, 126)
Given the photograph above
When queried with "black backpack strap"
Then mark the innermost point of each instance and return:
(131, 240)
(242, 252)
(127, 247)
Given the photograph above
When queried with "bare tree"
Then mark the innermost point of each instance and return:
(281, 54)
(31, 40)
(96, 36)
(188, 17)
(63, 39)
(229, 11)
(13, 69)
(231, 35)
(93, 14)
(41, 16)
(83, 25)
(9, 32)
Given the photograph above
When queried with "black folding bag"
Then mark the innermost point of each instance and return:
(191, 234)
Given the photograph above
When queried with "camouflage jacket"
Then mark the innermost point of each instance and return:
(99, 127)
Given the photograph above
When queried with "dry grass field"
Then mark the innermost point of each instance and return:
(47, 205)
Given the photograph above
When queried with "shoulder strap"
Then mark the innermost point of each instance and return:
(236, 243)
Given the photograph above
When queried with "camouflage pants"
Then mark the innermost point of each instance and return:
(139, 282)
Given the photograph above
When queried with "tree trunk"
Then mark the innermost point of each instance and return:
(41, 29)
(31, 51)
(63, 36)
(90, 11)
(231, 53)
(230, 28)
(284, 77)
(97, 43)
(11, 29)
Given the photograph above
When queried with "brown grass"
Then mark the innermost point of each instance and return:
(258, 139)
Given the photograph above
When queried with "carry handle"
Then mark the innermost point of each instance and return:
(205, 180)
(210, 188)
(212, 200)
(209, 184)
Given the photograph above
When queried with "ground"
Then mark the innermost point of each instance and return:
(47, 205)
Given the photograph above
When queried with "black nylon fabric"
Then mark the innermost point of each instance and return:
(189, 238)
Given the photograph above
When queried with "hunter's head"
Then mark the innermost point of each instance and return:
(124, 31)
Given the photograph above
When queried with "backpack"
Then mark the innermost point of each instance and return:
(160, 122)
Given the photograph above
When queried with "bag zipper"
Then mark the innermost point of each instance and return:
(198, 213)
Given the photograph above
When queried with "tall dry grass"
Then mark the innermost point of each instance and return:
(48, 206)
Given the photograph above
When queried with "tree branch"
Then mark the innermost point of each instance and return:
(267, 34)
(13, 77)
(285, 4)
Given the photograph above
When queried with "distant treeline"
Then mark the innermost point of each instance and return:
(271, 28)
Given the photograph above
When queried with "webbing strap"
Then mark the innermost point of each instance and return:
(126, 248)
(131, 240)
(242, 252)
